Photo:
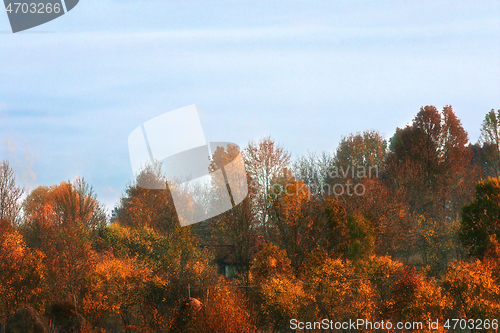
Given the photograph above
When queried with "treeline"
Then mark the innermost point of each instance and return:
(398, 230)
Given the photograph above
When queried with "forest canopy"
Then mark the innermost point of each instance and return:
(405, 229)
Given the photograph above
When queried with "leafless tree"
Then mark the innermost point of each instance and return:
(10, 194)
(266, 163)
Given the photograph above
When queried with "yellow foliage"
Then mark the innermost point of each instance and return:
(21, 274)
(341, 292)
(115, 287)
(474, 288)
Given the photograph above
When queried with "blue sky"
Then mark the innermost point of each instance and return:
(305, 72)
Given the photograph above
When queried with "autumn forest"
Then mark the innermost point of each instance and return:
(399, 230)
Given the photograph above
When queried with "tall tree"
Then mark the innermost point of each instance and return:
(298, 225)
(360, 161)
(236, 226)
(10, 194)
(60, 221)
(145, 207)
(265, 162)
(480, 218)
(490, 134)
(430, 161)
(458, 173)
